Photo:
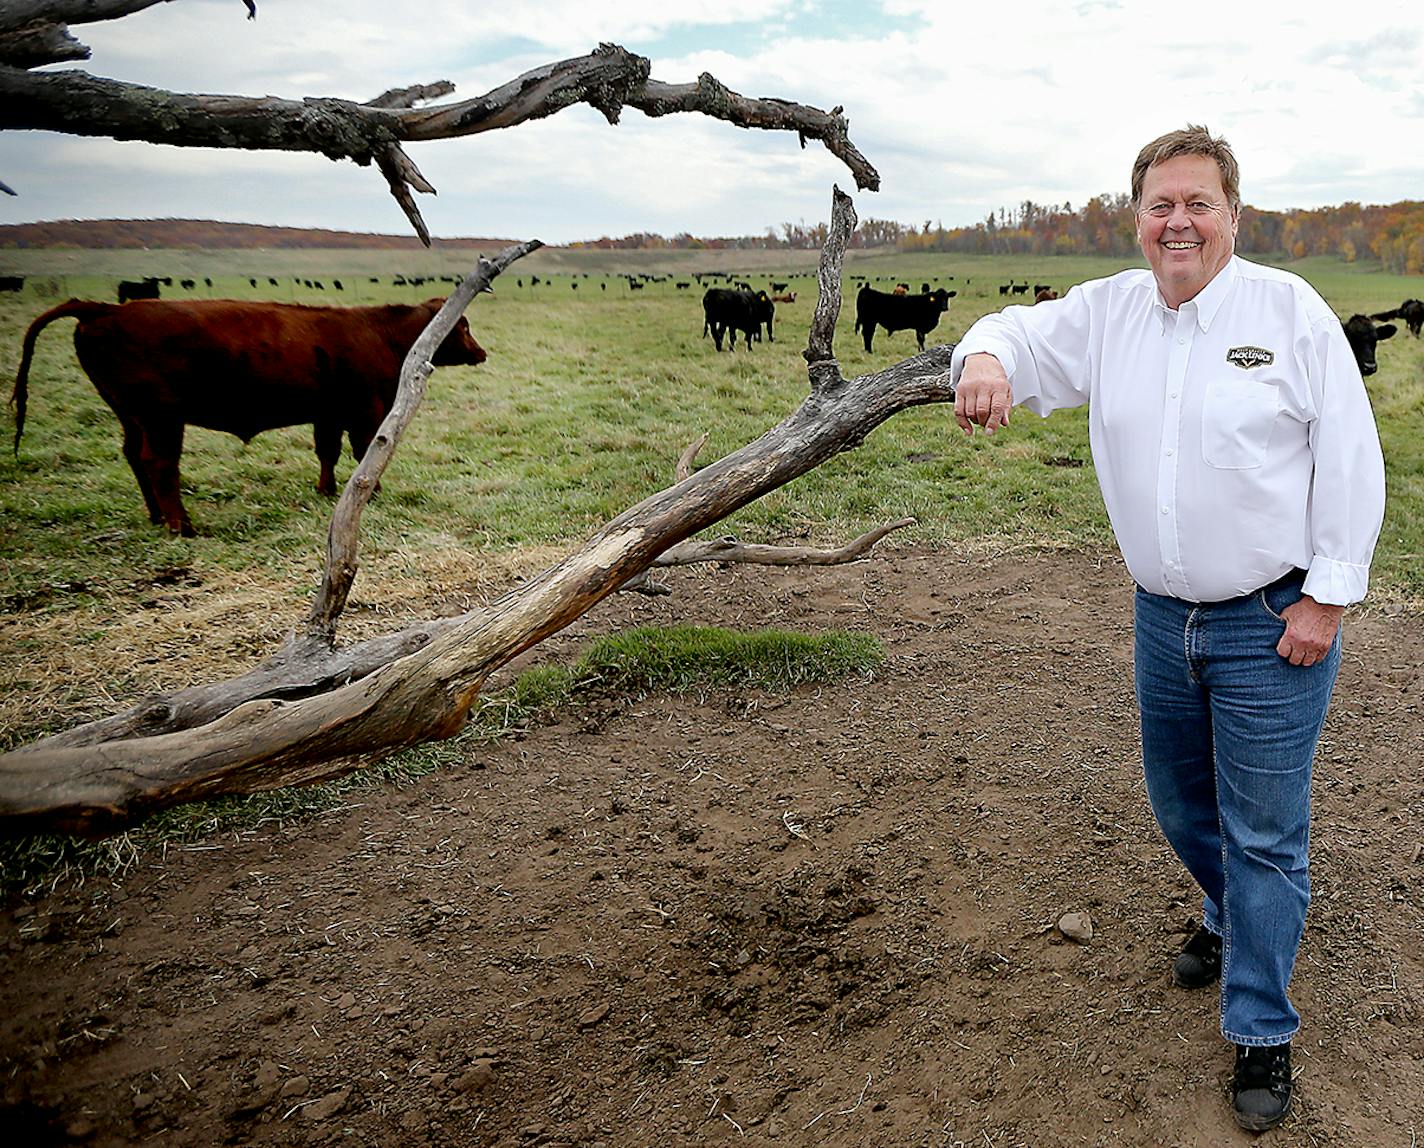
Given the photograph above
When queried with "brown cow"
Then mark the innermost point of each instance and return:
(240, 367)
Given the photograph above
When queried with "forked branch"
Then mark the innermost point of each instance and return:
(32, 32)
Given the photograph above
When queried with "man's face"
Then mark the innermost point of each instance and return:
(1185, 226)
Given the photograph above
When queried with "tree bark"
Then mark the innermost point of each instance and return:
(103, 787)
(609, 79)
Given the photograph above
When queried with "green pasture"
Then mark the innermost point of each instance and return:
(590, 393)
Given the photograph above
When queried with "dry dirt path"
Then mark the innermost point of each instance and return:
(826, 918)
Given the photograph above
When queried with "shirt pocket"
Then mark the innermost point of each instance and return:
(1237, 417)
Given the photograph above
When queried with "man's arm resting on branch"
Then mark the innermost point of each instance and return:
(983, 395)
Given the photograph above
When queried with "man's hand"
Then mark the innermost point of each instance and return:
(1310, 631)
(983, 395)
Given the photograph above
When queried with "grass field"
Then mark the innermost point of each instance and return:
(590, 393)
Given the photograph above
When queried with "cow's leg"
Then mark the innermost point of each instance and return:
(133, 454)
(162, 447)
(717, 332)
(920, 338)
(326, 437)
(868, 333)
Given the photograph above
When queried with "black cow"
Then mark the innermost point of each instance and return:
(12, 282)
(1362, 335)
(918, 313)
(734, 311)
(145, 289)
(1411, 311)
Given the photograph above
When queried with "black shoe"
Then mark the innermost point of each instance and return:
(1199, 962)
(1261, 1088)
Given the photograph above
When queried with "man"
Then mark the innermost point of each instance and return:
(1241, 470)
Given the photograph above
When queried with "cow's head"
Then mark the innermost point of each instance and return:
(941, 298)
(1362, 334)
(458, 349)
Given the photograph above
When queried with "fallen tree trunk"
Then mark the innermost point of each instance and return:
(102, 788)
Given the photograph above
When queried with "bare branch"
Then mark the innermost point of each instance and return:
(731, 550)
(689, 454)
(18, 13)
(344, 533)
(819, 353)
(609, 79)
(34, 45)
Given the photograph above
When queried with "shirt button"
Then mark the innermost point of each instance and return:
(1170, 452)
(1164, 510)
(1172, 395)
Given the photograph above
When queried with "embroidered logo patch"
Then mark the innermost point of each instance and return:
(1248, 357)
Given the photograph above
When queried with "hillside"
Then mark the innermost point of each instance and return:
(207, 234)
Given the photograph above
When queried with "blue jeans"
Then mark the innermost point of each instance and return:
(1228, 733)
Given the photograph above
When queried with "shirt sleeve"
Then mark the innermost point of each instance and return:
(1347, 486)
(1044, 349)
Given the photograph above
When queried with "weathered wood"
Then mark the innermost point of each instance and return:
(609, 79)
(343, 536)
(100, 788)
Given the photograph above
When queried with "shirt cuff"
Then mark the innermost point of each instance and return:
(1334, 583)
(967, 346)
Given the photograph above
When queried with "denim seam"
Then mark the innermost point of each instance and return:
(1260, 1041)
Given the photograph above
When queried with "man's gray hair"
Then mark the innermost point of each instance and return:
(1191, 140)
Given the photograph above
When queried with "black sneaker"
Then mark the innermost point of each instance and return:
(1261, 1088)
(1199, 962)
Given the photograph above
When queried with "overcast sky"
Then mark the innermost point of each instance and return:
(964, 106)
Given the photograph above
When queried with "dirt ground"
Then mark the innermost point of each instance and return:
(824, 918)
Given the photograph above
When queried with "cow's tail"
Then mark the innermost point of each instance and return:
(80, 309)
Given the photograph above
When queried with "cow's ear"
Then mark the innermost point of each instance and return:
(1385, 331)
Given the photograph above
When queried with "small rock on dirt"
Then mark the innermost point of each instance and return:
(1076, 927)
(328, 1106)
(478, 1076)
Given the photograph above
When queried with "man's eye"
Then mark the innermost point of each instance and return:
(1160, 210)
(1198, 207)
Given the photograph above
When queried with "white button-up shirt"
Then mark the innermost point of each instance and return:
(1233, 438)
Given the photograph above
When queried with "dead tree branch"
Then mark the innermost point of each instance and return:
(103, 787)
(610, 78)
(344, 534)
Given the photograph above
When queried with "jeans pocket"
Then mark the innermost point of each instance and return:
(1275, 599)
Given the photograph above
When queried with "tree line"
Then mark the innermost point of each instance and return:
(1392, 234)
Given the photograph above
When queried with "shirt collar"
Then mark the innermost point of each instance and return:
(1208, 300)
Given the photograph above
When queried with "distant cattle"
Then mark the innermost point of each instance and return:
(732, 311)
(779, 286)
(12, 282)
(918, 313)
(1044, 294)
(243, 368)
(1362, 335)
(186, 284)
(784, 297)
(901, 289)
(1019, 289)
(141, 289)
(1411, 311)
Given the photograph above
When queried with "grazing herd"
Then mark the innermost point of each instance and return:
(246, 367)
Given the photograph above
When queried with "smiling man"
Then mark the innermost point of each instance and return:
(1241, 470)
